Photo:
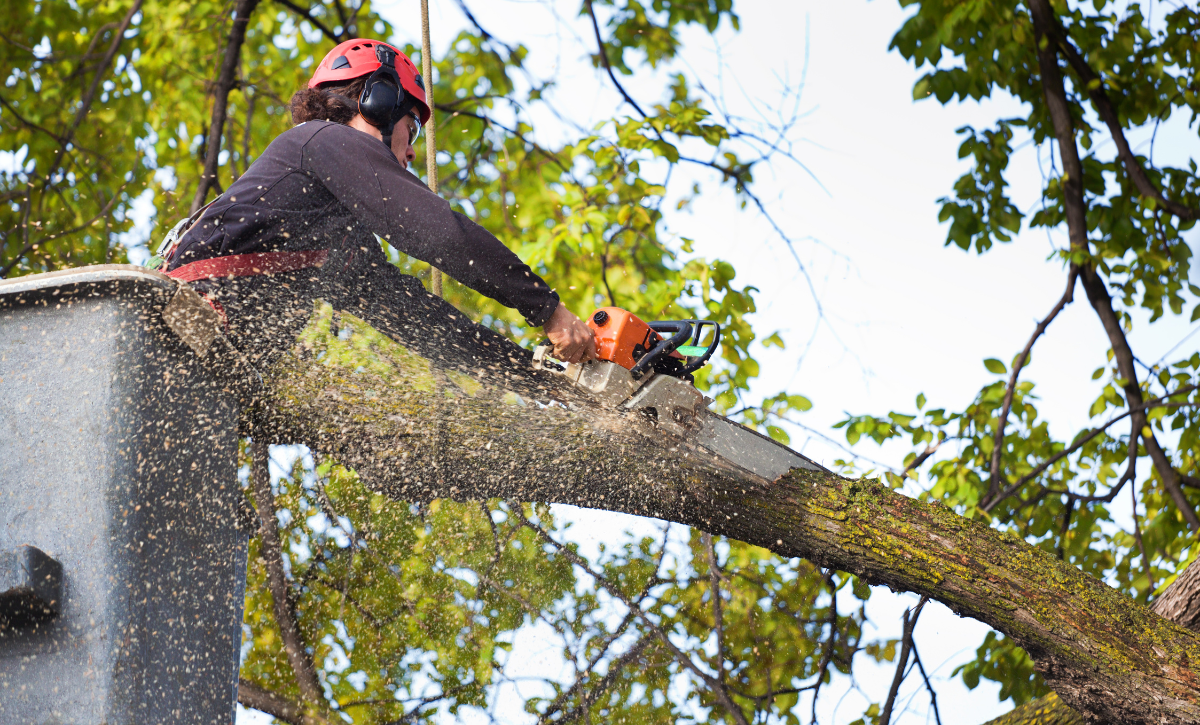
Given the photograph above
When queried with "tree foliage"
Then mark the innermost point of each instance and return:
(406, 609)
(1088, 77)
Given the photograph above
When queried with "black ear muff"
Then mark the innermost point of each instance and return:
(383, 101)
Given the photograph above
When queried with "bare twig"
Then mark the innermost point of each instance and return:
(462, 5)
(615, 668)
(1137, 535)
(937, 717)
(715, 686)
(1061, 549)
(827, 652)
(250, 99)
(714, 577)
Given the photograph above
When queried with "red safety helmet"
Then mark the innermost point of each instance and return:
(355, 58)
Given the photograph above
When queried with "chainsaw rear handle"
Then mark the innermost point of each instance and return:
(700, 361)
(683, 333)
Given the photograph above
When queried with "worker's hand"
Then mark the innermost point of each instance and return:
(572, 339)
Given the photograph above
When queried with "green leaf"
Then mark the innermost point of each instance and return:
(995, 366)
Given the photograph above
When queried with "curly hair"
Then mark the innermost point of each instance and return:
(336, 102)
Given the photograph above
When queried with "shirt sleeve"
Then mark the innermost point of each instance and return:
(362, 174)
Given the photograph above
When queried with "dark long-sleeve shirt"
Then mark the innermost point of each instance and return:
(324, 185)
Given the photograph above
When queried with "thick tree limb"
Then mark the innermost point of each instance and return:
(1104, 653)
(1180, 603)
(293, 641)
(226, 80)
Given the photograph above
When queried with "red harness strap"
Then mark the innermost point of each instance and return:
(249, 265)
(246, 265)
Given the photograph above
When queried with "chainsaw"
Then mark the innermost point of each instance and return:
(646, 368)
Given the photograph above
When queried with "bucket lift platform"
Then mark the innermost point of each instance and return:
(122, 560)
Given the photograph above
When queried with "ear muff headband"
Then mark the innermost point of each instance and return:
(383, 101)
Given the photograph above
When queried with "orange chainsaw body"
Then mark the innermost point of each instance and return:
(621, 336)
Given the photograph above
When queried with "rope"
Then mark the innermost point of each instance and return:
(430, 134)
(435, 273)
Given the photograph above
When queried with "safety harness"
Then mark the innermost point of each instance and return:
(233, 265)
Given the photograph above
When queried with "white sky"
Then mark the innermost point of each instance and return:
(905, 315)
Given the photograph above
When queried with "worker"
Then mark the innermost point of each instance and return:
(305, 220)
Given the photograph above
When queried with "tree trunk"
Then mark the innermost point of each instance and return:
(482, 427)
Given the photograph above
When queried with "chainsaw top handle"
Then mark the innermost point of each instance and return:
(683, 333)
(697, 361)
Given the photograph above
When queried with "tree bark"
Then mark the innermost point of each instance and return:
(226, 80)
(1180, 603)
(348, 391)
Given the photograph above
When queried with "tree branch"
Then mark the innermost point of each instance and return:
(293, 640)
(906, 646)
(85, 104)
(257, 698)
(1093, 85)
(1055, 94)
(604, 59)
(226, 79)
(462, 5)
(715, 685)
(307, 15)
(614, 671)
(998, 438)
(30, 246)
(550, 443)
(714, 578)
(937, 717)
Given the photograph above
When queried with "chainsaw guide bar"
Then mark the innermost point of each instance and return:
(663, 392)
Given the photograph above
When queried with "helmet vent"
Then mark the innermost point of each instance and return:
(341, 62)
